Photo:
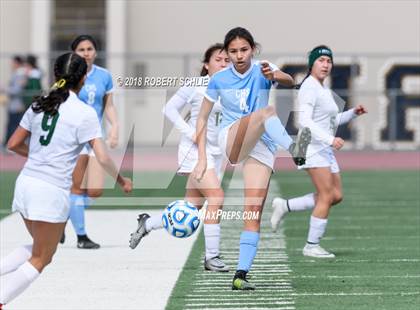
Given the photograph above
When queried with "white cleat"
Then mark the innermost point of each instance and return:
(315, 250)
(279, 211)
(215, 264)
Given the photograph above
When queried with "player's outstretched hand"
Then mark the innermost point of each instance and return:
(266, 70)
(199, 170)
(360, 109)
(338, 143)
(112, 141)
(127, 185)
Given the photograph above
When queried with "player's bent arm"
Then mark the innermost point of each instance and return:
(112, 118)
(171, 111)
(106, 162)
(345, 117)
(283, 78)
(201, 134)
(305, 120)
(201, 130)
(17, 143)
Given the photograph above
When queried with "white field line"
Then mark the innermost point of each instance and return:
(213, 291)
(82, 279)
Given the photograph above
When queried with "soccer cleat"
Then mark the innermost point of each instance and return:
(241, 283)
(140, 231)
(298, 149)
(315, 250)
(215, 264)
(83, 242)
(280, 209)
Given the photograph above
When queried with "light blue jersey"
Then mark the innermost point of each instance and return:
(98, 84)
(241, 94)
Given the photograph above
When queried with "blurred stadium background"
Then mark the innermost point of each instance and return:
(376, 44)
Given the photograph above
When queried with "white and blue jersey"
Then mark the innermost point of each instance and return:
(241, 94)
(98, 84)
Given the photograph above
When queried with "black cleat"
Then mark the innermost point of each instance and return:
(83, 242)
(140, 231)
(241, 283)
(298, 149)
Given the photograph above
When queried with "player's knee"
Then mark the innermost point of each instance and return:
(338, 197)
(42, 261)
(217, 198)
(326, 197)
(94, 192)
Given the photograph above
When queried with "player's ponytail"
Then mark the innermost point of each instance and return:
(316, 52)
(69, 70)
(207, 55)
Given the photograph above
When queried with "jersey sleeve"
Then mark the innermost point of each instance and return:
(345, 117)
(212, 92)
(174, 105)
(26, 121)
(109, 86)
(89, 128)
(306, 100)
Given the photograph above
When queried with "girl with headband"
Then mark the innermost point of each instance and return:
(319, 112)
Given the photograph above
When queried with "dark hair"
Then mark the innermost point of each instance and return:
(83, 37)
(32, 60)
(297, 86)
(239, 32)
(207, 55)
(69, 69)
(18, 59)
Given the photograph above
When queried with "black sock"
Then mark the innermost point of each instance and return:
(241, 274)
(82, 238)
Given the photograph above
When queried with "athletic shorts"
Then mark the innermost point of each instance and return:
(38, 200)
(260, 152)
(188, 159)
(322, 158)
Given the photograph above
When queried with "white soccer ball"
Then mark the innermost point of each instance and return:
(181, 219)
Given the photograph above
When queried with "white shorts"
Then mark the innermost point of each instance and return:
(87, 150)
(322, 158)
(38, 200)
(260, 152)
(188, 158)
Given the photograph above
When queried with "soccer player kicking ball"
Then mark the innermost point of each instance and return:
(250, 133)
(319, 112)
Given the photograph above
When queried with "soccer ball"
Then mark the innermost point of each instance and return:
(181, 219)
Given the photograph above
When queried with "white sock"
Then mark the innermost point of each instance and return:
(302, 203)
(317, 228)
(154, 222)
(17, 281)
(212, 239)
(16, 258)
